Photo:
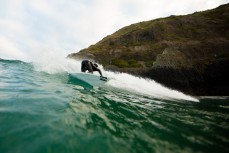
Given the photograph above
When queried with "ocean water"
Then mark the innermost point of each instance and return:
(44, 110)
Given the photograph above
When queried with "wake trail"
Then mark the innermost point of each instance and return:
(57, 64)
(145, 86)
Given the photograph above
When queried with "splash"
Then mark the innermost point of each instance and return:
(145, 86)
(52, 63)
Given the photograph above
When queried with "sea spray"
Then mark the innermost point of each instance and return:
(145, 86)
(55, 63)
(52, 63)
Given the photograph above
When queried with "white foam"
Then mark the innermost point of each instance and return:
(52, 63)
(145, 86)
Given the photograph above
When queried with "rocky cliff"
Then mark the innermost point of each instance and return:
(188, 53)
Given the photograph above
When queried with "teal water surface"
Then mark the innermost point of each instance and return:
(53, 113)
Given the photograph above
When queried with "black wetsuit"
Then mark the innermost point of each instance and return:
(87, 65)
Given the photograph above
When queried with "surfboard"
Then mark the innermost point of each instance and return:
(91, 79)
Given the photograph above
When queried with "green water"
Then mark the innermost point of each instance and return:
(53, 113)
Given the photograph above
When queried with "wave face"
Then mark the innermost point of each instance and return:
(42, 109)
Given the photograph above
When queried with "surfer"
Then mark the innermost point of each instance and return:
(89, 66)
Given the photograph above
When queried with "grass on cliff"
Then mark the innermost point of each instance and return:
(126, 64)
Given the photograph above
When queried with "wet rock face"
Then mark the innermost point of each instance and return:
(186, 80)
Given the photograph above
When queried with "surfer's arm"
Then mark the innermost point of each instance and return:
(98, 71)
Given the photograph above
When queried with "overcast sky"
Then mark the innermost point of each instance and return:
(32, 27)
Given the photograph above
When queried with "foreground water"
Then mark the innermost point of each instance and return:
(42, 112)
